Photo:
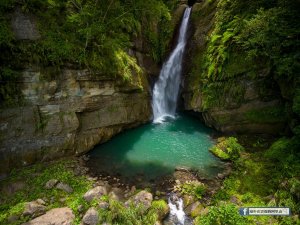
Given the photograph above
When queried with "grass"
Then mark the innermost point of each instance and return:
(35, 178)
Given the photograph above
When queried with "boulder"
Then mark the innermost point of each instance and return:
(34, 208)
(12, 188)
(143, 198)
(91, 217)
(58, 216)
(116, 194)
(96, 192)
(194, 209)
(51, 183)
(64, 187)
(103, 205)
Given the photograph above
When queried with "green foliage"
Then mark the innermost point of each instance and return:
(126, 65)
(93, 34)
(249, 40)
(227, 148)
(230, 187)
(222, 93)
(267, 115)
(193, 188)
(88, 34)
(35, 179)
(296, 102)
(285, 151)
(118, 213)
(272, 33)
(9, 90)
(260, 30)
(225, 214)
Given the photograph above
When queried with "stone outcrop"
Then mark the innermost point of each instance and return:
(34, 208)
(143, 198)
(95, 193)
(90, 217)
(68, 114)
(58, 216)
(239, 104)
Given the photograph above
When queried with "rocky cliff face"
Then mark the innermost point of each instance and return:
(247, 101)
(68, 111)
(68, 115)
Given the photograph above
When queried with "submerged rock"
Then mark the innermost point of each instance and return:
(58, 216)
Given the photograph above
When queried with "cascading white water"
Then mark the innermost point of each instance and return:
(176, 210)
(165, 92)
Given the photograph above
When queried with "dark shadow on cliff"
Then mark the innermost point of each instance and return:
(188, 125)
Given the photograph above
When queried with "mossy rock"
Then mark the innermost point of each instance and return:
(227, 148)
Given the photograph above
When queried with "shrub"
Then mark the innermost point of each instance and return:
(227, 148)
(193, 188)
(225, 214)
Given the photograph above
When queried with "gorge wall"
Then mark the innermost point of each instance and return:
(234, 92)
(68, 116)
(55, 105)
(81, 91)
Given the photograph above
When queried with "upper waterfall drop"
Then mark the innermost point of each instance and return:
(165, 92)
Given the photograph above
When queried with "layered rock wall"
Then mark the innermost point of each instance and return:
(68, 115)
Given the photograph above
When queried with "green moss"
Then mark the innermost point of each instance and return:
(238, 64)
(222, 94)
(227, 148)
(267, 115)
(223, 119)
(219, 153)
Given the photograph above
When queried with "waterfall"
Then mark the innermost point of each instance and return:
(176, 210)
(165, 92)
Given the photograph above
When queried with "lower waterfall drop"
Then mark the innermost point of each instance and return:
(176, 210)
